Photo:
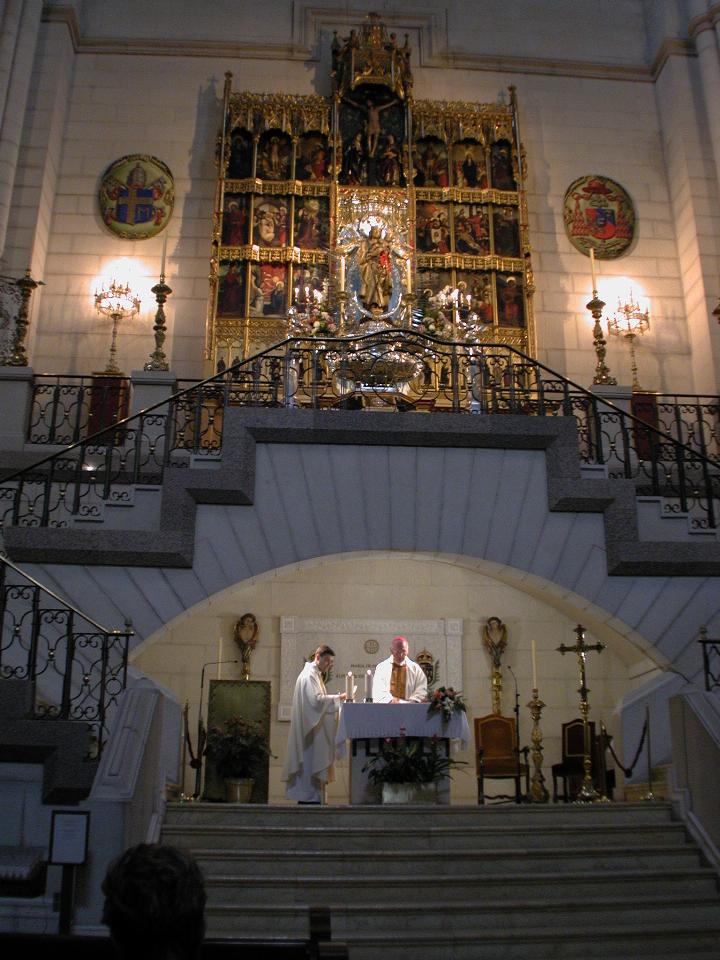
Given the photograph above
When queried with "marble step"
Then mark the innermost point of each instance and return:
(381, 863)
(461, 817)
(466, 918)
(447, 839)
(594, 942)
(421, 887)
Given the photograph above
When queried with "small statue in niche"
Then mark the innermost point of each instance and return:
(245, 636)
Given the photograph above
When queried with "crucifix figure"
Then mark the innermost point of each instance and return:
(588, 793)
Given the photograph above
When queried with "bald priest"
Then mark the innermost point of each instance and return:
(399, 679)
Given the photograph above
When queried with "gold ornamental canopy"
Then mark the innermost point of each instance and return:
(371, 57)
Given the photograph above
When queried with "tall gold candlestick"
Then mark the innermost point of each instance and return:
(538, 790)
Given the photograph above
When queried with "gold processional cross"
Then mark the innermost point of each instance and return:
(588, 793)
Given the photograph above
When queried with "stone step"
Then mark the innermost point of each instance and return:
(421, 887)
(381, 863)
(466, 916)
(657, 942)
(447, 839)
(524, 815)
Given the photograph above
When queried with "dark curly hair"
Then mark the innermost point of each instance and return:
(155, 903)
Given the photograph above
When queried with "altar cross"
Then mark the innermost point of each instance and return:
(588, 793)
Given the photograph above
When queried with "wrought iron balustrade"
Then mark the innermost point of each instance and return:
(78, 667)
(400, 369)
(711, 660)
(693, 420)
(66, 409)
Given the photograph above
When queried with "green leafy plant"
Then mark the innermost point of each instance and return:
(400, 760)
(238, 748)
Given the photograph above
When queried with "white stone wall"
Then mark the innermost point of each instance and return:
(588, 105)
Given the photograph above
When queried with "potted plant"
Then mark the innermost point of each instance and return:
(406, 772)
(237, 749)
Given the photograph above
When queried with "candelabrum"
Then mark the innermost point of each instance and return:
(18, 357)
(538, 790)
(602, 371)
(588, 793)
(629, 322)
(158, 360)
(119, 303)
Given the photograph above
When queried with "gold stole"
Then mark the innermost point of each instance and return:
(398, 681)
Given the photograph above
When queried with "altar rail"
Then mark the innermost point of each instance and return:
(67, 409)
(397, 369)
(78, 667)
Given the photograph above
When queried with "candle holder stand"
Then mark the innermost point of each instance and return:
(538, 790)
(602, 371)
(158, 360)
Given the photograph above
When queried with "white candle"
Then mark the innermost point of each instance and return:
(534, 663)
(349, 685)
(408, 272)
(342, 273)
(164, 255)
(592, 268)
(368, 684)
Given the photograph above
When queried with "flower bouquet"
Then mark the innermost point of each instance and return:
(448, 700)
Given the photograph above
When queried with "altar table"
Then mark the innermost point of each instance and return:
(364, 724)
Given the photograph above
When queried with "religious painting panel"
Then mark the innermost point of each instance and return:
(479, 289)
(313, 158)
(431, 282)
(506, 231)
(274, 156)
(372, 131)
(431, 163)
(271, 225)
(268, 290)
(511, 307)
(240, 162)
(432, 228)
(231, 288)
(471, 229)
(468, 165)
(235, 219)
(501, 166)
(312, 223)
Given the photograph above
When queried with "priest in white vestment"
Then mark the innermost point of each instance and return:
(399, 679)
(313, 723)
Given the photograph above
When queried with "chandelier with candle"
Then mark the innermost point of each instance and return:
(118, 302)
(630, 321)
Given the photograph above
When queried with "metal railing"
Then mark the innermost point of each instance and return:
(78, 667)
(711, 660)
(397, 368)
(65, 410)
(694, 420)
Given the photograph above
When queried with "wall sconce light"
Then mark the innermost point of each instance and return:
(630, 321)
(119, 303)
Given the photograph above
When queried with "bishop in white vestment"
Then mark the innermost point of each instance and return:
(399, 679)
(313, 723)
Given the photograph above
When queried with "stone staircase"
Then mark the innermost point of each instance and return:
(459, 883)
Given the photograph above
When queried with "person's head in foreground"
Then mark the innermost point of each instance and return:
(155, 904)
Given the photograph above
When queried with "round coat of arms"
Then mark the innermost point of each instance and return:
(136, 197)
(599, 214)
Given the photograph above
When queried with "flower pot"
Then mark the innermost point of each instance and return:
(238, 791)
(409, 793)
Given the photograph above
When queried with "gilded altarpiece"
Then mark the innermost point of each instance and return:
(369, 201)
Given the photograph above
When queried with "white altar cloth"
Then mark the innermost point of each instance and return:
(363, 721)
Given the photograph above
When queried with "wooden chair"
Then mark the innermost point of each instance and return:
(571, 769)
(497, 756)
